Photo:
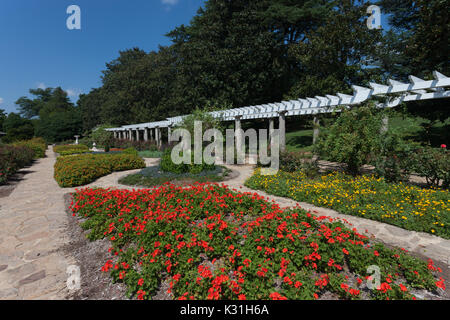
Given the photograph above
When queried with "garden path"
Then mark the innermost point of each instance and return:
(32, 225)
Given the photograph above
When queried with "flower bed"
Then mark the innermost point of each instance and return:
(78, 170)
(207, 242)
(65, 150)
(409, 207)
(13, 158)
(37, 144)
(154, 176)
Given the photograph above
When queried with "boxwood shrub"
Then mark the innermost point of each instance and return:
(78, 170)
(65, 150)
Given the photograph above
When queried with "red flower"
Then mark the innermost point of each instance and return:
(345, 251)
(141, 294)
(276, 296)
(443, 146)
(440, 284)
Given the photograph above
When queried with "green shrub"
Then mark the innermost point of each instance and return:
(291, 161)
(395, 159)
(78, 170)
(433, 164)
(138, 145)
(65, 150)
(352, 139)
(131, 150)
(37, 144)
(13, 158)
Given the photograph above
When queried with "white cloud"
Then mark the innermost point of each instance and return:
(41, 85)
(73, 93)
(70, 92)
(169, 2)
(1, 100)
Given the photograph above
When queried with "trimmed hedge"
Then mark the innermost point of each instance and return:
(37, 144)
(79, 170)
(13, 158)
(65, 150)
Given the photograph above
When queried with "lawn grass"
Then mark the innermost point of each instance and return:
(150, 154)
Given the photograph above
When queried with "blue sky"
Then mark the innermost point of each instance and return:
(37, 49)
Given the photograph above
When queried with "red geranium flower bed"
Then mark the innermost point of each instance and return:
(208, 242)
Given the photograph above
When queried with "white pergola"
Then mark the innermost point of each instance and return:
(395, 92)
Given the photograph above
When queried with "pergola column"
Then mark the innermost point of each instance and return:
(158, 137)
(130, 135)
(282, 129)
(238, 133)
(152, 138)
(145, 134)
(137, 135)
(169, 133)
(316, 129)
(271, 129)
(385, 124)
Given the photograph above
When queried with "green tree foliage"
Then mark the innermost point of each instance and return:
(337, 54)
(17, 128)
(54, 116)
(60, 126)
(2, 118)
(233, 53)
(242, 52)
(418, 45)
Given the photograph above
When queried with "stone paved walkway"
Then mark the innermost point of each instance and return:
(33, 222)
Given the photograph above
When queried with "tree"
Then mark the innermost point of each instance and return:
(2, 118)
(425, 25)
(60, 126)
(17, 128)
(90, 107)
(338, 53)
(421, 29)
(30, 108)
(54, 116)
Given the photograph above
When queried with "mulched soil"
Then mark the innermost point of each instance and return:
(90, 257)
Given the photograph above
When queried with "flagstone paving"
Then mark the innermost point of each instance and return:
(33, 223)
